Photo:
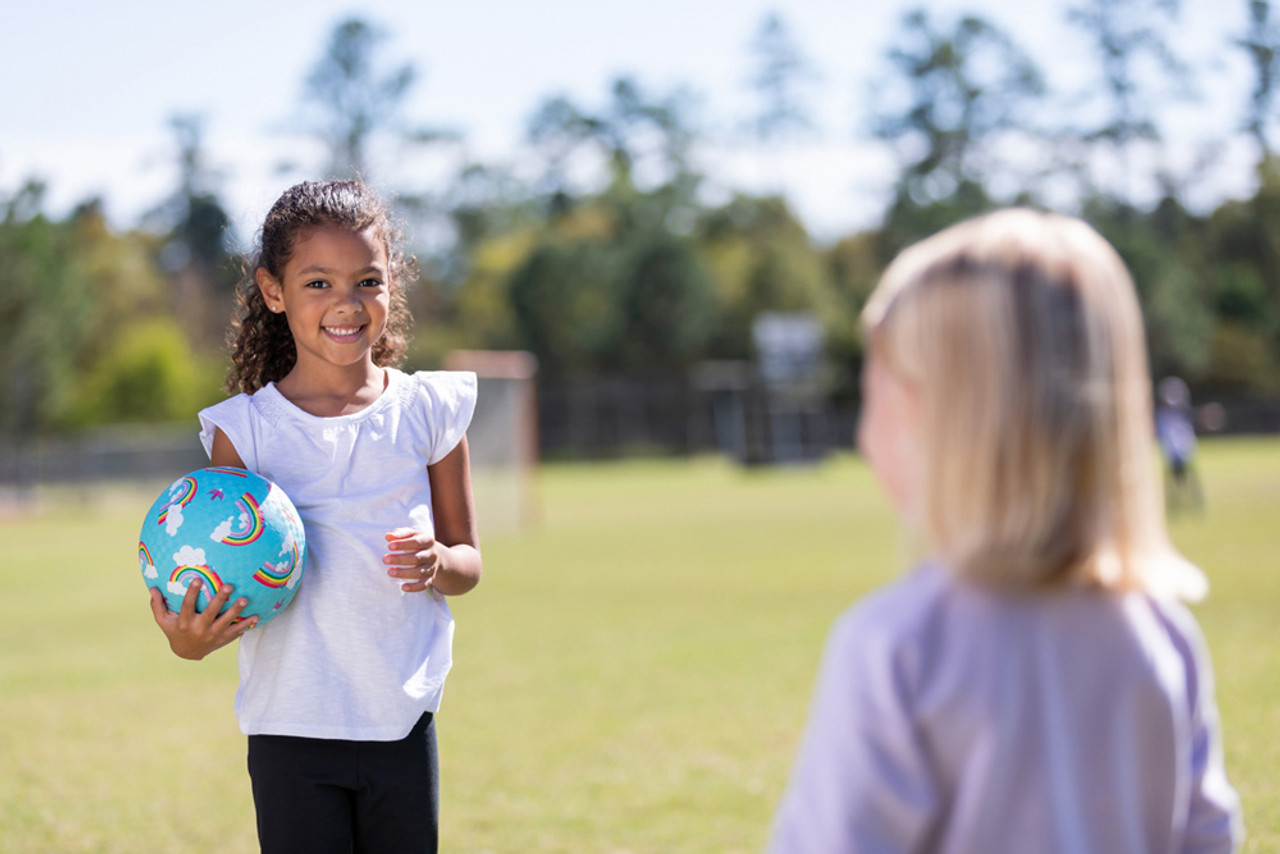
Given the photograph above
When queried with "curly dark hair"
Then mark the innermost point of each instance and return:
(262, 348)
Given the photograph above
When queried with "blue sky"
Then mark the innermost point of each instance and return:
(88, 87)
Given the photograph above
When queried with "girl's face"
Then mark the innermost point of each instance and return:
(335, 293)
(888, 433)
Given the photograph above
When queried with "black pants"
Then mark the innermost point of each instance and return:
(314, 796)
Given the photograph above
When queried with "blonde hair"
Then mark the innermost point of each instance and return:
(1020, 334)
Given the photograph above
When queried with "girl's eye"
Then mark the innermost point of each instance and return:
(316, 283)
(371, 283)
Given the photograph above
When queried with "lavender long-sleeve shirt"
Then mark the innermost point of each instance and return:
(949, 719)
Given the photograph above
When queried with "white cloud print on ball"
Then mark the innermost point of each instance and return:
(185, 556)
(221, 532)
(173, 519)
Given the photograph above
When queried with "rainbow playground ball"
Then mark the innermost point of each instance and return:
(224, 526)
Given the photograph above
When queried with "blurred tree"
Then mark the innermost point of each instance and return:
(667, 304)
(479, 312)
(1250, 233)
(781, 72)
(462, 301)
(1163, 251)
(87, 330)
(126, 283)
(610, 282)
(642, 141)
(198, 250)
(199, 228)
(761, 259)
(1240, 296)
(1262, 45)
(46, 303)
(908, 220)
(592, 299)
(485, 201)
(951, 95)
(567, 309)
(1244, 244)
(780, 77)
(146, 373)
(1130, 37)
(855, 264)
(355, 98)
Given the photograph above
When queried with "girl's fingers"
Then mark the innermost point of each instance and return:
(189, 599)
(213, 611)
(413, 558)
(411, 550)
(402, 539)
(220, 598)
(417, 577)
(194, 635)
(217, 605)
(415, 567)
(159, 609)
(401, 534)
(229, 615)
(231, 624)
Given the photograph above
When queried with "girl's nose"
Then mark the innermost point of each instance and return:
(349, 303)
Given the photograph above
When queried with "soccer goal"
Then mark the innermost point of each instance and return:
(503, 437)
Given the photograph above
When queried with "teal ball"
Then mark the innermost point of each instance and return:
(224, 525)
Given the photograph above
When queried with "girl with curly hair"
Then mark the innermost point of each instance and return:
(338, 693)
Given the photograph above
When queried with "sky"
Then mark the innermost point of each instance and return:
(87, 88)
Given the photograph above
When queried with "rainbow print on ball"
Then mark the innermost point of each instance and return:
(226, 470)
(183, 576)
(223, 525)
(281, 575)
(180, 495)
(249, 523)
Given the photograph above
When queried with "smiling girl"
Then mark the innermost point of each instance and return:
(338, 693)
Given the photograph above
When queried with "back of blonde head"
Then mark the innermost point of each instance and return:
(1021, 334)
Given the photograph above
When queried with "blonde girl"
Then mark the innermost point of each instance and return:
(338, 693)
(1034, 683)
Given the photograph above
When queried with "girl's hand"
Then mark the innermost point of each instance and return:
(413, 557)
(193, 636)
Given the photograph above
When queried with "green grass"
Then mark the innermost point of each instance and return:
(631, 676)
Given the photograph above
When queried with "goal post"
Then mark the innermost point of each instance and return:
(503, 437)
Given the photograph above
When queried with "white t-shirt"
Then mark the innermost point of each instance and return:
(353, 656)
(952, 719)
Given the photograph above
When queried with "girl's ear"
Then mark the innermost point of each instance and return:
(272, 291)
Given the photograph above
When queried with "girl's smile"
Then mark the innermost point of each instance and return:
(345, 334)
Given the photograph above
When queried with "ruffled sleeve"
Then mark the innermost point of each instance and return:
(449, 398)
(232, 417)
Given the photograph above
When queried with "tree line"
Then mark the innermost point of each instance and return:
(614, 260)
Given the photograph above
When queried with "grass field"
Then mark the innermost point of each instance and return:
(631, 676)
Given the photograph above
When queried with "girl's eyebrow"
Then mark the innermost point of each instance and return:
(326, 271)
